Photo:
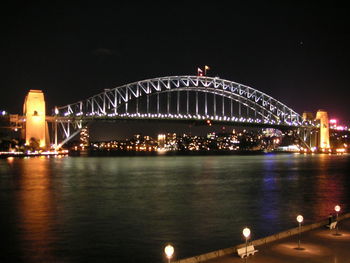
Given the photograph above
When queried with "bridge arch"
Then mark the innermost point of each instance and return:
(208, 97)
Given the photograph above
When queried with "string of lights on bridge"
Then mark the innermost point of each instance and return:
(190, 117)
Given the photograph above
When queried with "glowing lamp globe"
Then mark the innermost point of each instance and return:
(246, 232)
(300, 218)
(337, 208)
(169, 251)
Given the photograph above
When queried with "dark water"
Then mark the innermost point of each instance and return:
(125, 209)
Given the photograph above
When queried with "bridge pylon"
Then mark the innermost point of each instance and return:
(322, 116)
(318, 136)
(35, 125)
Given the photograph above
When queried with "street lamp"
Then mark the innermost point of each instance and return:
(300, 219)
(337, 209)
(246, 234)
(169, 251)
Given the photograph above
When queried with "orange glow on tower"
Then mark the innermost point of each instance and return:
(324, 129)
(35, 113)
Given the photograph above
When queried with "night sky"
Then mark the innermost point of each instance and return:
(298, 54)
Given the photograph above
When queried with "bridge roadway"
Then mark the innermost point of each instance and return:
(320, 246)
(194, 121)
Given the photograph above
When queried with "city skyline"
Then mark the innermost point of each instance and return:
(295, 53)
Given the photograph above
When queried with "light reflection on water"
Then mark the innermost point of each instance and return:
(124, 209)
(36, 211)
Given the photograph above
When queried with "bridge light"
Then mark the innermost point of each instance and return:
(199, 72)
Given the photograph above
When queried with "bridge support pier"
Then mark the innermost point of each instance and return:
(36, 129)
(318, 137)
(322, 116)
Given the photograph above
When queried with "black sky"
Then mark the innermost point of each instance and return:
(297, 53)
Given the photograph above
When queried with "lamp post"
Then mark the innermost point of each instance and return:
(300, 219)
(337, 209)
(169, 251)
(246, 234)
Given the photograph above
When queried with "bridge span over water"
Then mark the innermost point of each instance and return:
(178, 98)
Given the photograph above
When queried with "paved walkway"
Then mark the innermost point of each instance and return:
(320, 246)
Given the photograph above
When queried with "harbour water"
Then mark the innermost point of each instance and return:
(125, 209)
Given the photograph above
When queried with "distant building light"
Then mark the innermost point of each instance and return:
(340, 150)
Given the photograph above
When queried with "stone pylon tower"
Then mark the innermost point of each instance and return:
(35, 113)
(322, 116)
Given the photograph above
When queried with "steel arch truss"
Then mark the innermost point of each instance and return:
(183, 98)
(109, 102)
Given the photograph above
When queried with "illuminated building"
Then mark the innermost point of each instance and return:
(211, 136)
(84, 137)
(171, 141)
(161, 141)
(271, 132)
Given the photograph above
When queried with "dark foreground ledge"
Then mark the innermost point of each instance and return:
(287, 239)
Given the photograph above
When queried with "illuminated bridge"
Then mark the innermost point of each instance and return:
(181, 98)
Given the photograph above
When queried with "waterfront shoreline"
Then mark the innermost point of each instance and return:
(153, 154)
(180, 153)
(231, 252)
(25, 155)
(163, 153)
